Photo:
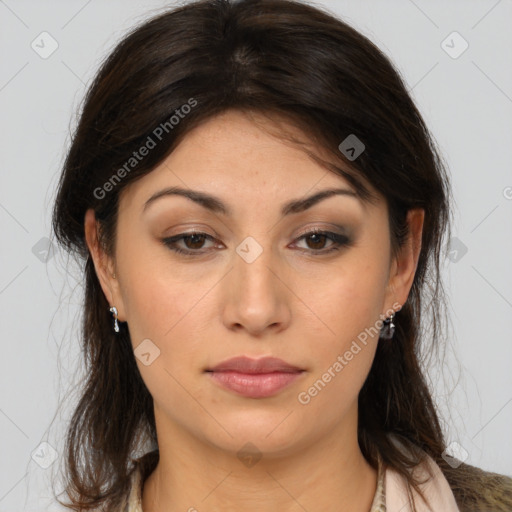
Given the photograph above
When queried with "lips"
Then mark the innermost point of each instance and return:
(254, 366)
(254, 378)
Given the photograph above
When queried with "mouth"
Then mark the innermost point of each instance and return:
(254, 385)
(254, 378)
(247, 365)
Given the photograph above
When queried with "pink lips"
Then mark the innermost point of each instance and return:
(254, 378)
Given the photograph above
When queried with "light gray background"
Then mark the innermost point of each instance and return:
(467, 103)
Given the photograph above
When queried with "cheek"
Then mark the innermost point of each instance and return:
(159, 308)
(352, 300)
(154, 295)
(343, 355)
(165, 312)
(348, 308)
(172, 308)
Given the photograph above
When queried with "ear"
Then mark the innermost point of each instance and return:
(103, 264)
(403, 267)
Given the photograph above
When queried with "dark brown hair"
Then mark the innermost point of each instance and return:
(279, 58)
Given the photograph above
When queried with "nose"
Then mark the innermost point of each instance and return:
(256, 298)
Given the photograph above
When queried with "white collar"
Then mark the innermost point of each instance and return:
(436, 490)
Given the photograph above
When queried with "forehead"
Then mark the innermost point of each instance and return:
(243, 156)
(245, 146)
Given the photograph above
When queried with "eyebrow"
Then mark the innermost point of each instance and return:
(216, 205)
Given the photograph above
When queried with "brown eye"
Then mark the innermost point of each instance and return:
(318, 240)
(195, 241)
(192, 242)
(315, 241)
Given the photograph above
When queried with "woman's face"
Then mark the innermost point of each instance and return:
(253, 283)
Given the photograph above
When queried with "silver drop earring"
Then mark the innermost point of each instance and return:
(388, 329)
(113, 310)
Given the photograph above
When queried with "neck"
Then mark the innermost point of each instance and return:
(193, 475)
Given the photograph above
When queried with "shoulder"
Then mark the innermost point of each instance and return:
(133, 500)
(400, 496)
(478, 490)
(465, 488)
(142, 468)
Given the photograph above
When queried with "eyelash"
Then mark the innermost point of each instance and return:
(339, 242)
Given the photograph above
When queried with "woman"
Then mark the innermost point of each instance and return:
(261, 211)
